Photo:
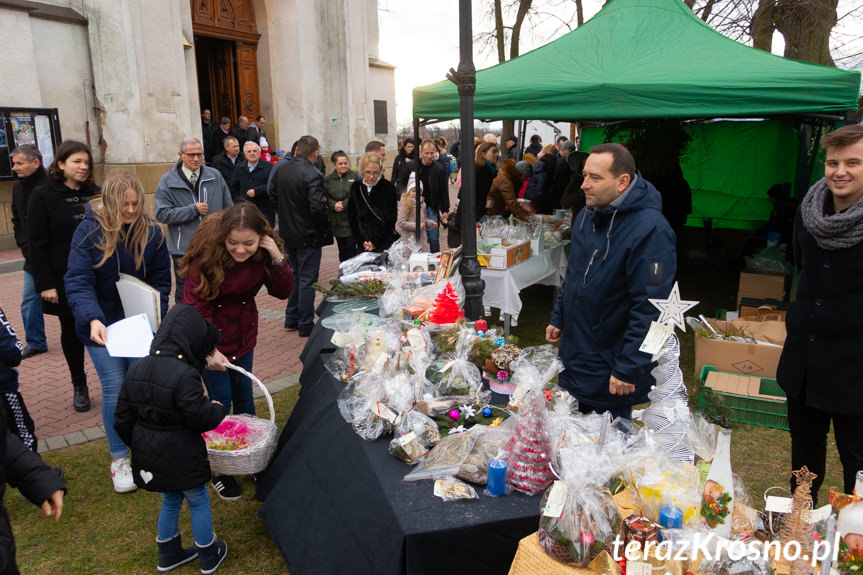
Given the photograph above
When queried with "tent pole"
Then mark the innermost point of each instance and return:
(419, 228)
(804, 137)
(465, 79)
(523, 136)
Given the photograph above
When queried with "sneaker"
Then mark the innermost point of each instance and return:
(121, 474)
(227, 488)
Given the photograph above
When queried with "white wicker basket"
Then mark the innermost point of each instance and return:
(252, 459)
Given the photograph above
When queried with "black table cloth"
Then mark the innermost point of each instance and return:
(334, 503)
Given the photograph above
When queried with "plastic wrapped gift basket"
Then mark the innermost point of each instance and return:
(243, 444)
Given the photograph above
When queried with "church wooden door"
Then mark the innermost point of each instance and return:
(226, 40)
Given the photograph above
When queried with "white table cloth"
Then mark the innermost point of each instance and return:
(502, 287)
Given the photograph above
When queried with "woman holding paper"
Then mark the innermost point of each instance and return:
(115, 237)
(233, 255)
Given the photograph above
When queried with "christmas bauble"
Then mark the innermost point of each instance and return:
(454, 414)
(587, 538)
(486, 411)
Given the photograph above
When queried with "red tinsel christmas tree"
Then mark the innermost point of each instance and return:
(446, 308)
(529, 452)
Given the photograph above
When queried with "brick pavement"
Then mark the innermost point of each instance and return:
(47, 387)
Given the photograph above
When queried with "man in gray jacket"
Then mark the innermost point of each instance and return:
(185, 194)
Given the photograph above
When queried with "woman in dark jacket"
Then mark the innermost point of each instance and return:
(405, 155)
(161, 414)
(233, 255)
(373, 207)
(115, 237)
(338, 183)
(54, 210)
(485, 159)
(538, 189)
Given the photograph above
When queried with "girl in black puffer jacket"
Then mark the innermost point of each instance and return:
(161, 414)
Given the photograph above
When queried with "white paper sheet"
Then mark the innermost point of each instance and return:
(130, 337)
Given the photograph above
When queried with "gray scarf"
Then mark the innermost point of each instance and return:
(834, 231)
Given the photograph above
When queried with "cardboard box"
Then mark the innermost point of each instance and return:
(760, 286)
(734, 356)
(763, 308)
(738, 385)
(502, 257)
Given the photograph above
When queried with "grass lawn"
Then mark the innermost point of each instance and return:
(104, 532)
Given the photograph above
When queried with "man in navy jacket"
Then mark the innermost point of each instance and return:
(622, 254)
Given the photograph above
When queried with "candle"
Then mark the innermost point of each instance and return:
(481, 325)
(496, 477)
(671, 517)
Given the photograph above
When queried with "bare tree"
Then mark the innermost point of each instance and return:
(555, 16)
(809, 27)
(805, 25)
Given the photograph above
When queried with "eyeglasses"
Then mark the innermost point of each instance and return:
(371, 173)
(196, 155)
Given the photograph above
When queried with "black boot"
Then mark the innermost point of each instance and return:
(81, 397)
(172, 554)
(212, 555)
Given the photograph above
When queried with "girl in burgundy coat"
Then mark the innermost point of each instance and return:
(232, 255)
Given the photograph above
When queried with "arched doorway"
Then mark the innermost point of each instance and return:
(226, 42)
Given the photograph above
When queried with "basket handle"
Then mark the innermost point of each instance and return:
(267, 395)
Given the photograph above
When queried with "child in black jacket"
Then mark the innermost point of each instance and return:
(161, 413)
(18, 418)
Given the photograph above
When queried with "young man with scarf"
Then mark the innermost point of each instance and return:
(820, 368)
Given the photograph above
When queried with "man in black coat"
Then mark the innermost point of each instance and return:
(297, 190)
(220, 132)
(256, 131)
(435, 186)
(208, 129)
(249, 181)
(820, 369)
(27, 165)
(228, 160)
(240, 130)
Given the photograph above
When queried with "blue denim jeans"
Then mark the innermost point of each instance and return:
(229, 387)
(305, 264)
(433, 234)
(199, 508)
(112, 372)
(31, 314)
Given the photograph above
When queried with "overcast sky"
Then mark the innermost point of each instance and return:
(420, 38)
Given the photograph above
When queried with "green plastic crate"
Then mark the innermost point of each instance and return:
(752, 410)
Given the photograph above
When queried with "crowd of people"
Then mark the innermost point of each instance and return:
(223, 231)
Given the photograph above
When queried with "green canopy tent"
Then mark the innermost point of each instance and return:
(656, 59)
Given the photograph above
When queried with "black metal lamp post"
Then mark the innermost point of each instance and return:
(465, 79)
